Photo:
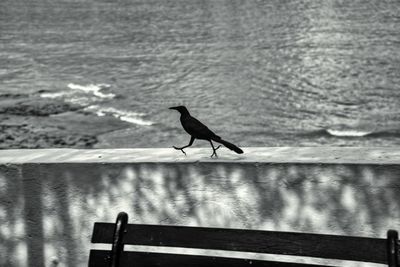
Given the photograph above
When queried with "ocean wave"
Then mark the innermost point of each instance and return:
(82, 95)
(352, 133)
(95, 89)
(71, 97)
(123, 115)
(348, 132)
(55, 94)
(91, 97)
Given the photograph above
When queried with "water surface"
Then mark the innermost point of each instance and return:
(261, 73)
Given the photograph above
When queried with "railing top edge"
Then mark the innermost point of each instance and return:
(312, 155)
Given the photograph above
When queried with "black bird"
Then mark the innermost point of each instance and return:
(198, 130)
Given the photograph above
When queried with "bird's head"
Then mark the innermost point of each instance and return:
(181, 109)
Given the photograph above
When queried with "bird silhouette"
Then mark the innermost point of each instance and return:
(198, 130)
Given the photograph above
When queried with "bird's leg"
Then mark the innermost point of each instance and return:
(214, 149)
(181, 148)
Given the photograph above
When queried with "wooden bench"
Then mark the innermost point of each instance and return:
(361, 249)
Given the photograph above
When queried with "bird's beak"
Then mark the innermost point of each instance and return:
(173, 108)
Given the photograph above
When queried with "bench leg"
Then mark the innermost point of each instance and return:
(393, 248)
(118, 245)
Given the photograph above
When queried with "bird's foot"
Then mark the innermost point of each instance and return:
(180, 148)
(214, 152)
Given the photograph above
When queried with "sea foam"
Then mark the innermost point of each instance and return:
(95, 89)
(123, 115)
(54, 95)
(348, 133)
(90, 96)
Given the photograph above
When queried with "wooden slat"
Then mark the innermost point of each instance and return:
(100, 258)
(286, 243)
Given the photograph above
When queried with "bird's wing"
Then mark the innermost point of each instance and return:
(197, 129)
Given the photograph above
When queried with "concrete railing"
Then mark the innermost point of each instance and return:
(49, 199)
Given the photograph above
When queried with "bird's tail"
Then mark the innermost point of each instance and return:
(229, 145)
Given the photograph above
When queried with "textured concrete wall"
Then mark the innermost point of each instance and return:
(49, 199)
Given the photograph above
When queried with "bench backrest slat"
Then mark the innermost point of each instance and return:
(271, 242)
(101, 258)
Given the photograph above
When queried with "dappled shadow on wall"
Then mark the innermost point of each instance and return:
(46, 217)
(12, 234)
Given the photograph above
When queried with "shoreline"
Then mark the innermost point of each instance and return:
(29, 121)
